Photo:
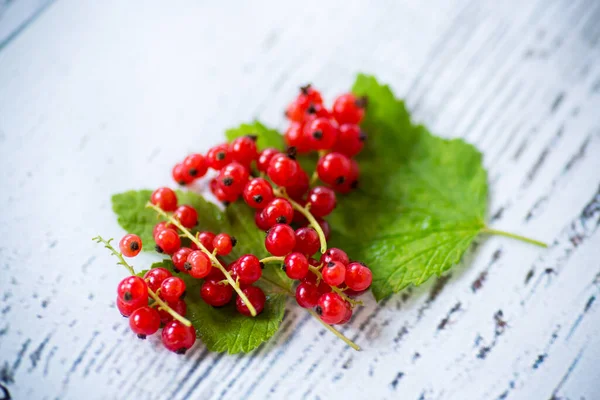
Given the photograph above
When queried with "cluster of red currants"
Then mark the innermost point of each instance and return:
(153, 301)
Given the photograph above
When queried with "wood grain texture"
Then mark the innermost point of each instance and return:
(100, 97)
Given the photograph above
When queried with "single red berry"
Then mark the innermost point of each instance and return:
(155, 277)
(215, 275)
(299, 108)
(127, 308)
(316, 111)
(233, 178)
(335, 254)
(167, 241)
(295, 265)
(334, 168)
(260, 221)
(309, 94)
(307, 241)
(216, 294)
(299, 219)
(298, 189)
(334, 273)
(179, 307)
(171, 289)
(358, 276)
(351, 140)
(248, 269)
(331, 308)
(294, 137)
(256, 297)
(144, 321)
(347, 315)
(180, 175)
(278, 211)
(218, 156)
(198, 264)
(161, 226)
(280, 240)
(351, 180)
(224, 243)
(180, 257)
(206, 239)
(221, 194)
(164, 198)
(195, 165)
(322, 201)
(243, 150)
(283, 170)
(264, 159)
(177, 337)
(349, 109)
(307, 295)
(186, 215)
(132, 289)
(258, 193)
(130, 245)
(321, 134)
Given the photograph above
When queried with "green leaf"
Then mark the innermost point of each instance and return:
(222, 329)
(266, 137)
(422, 200)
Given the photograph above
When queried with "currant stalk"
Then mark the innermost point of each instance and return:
(151, 293)
(306, 212)
(210, 255)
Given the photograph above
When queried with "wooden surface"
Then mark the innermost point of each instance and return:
(100, 97)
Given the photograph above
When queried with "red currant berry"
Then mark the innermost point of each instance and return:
(155, 277)
(358, 277)
(316, 111)
(215, 293)
(206, 239)
(219, 191)
(264, 159)
(283, 170)
(347, 315)
(233, 178)
(294, 137)
(224, 243)
(258, 193)
(295, 265)
(334, 273)
(130, 245)
(335, 254)
(321, 134)
(243, 150)
(256, 297)
(351, 140)
(333, 168)
(127, 308)
(307, 241)
(278, 211)
(180, 175)
(164, 198)
(351, 181)
(280, 240)
(322, 201)
(198, 264)
(177, 337)
(348, 109)
(299, 218)
(324, 227)
(179, 307)
(161, 226)
(309, 95)
(299, 187)
(307, 295)
(187, 216)
(215, 275)
(167, 241)
(144, 321)
(171, 289)
(133, 289)
(248, 269)
(331, 308)
(260, 221)
(195, 165)
(218, 156)
(180, 257)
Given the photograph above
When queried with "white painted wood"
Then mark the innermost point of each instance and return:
(100, 97)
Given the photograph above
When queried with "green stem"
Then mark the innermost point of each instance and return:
(158, 300)
(215, 261)
(272, 259)
(335, 331)
(514, 236)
